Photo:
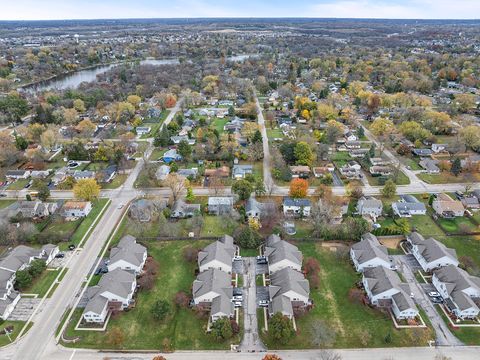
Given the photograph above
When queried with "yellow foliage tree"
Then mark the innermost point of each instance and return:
(86, 189)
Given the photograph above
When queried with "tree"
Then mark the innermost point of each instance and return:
(162, 138)
(86, 127)
(181, 299)
(185, 150)
(48, 139)
(242, 188)
(20, 142)
(176, 184)
(303, 154)
(257, 137)
(247, 237)
(160, 309)
(298, 188)
(471, 136)
(382, 127)
(390, 189)
(23, 279)
(159, 357)
(43, 191)
(271, 357)
(79, 105)
(456, 168)
(13, 107)
(190, 197)
(280, 328)
(37, 267)
(135, 100)
(86, 189)
(222, 328)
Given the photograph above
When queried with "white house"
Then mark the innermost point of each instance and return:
(408, 206)
(143, 130)
(281, 254)
(296, 207)
(430, 253)
(218, 255)
(369, 206)
(384, 289)
(370, 253)
(76, 208)
(128, 255)
(114, 291)
(460, 290)
(17, 174)
(436, 148)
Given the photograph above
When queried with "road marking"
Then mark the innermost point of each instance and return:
(73, 354)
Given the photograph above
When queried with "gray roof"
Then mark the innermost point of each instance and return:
(286, 280)
(369, 248)
(18, 257)
(456, 281)
(118, 282)
(213, 280)
(222, 305)
(8, 300)
(220, 200)
(222, 250)
(370, 202)
(281, 304)
(409, 199)
(409, 206)
(429, 164)
(242, 169)
(296, 202)
(256, 206)
(430, 248)
(277, 250)
(129, 251)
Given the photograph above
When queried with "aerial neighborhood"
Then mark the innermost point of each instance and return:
(240, 187)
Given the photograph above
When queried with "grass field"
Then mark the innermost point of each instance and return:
(470, 336)
(216, 226)
(17, 327)
(86, 223)
(157, 153)
(183, 328)
(350, 324)
(5, 203)
(402, 179)
(457, 225)
(42, 283)
(447, 178)
(218, 124)
(116, 182)
(274, 133)
(19, 184)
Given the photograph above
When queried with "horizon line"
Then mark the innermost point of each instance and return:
(245, 17)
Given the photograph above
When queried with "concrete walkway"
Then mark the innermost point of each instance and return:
(267, 174)
(251, 341)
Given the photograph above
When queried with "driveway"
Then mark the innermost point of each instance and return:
(444, 336)
(237, 267)
(25, 308)
(336, 179)
(251, 340)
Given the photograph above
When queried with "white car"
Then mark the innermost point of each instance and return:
(120, 206)
(237, 257)
(433, 294)
(237, 304)
(263, 303)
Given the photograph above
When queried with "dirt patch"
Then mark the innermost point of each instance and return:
(334, 246)
(391, 243)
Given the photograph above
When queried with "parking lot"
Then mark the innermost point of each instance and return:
(25, 308)
(60, 262)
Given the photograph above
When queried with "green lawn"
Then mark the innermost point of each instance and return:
(413, 164)
(19, 184)
(457, 225)
(402, 179)
(183, 328)
(470, 336)
(116, 182)
(216, 226)
(464, 245)
(5, 203)
(17, 327)
(86, 223)
(157, 153)
(41, 284)
(425, 225)
(354, 324)
(274, 133)
(218, 124)
(447, 178)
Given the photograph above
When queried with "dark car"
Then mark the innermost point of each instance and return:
(3, 195)
(71, 247)
(60, 256)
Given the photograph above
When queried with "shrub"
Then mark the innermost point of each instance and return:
(247, 237)
(222, 329)
(280, 328)
(160, 309)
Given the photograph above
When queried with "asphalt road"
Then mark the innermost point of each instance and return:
(267, 173)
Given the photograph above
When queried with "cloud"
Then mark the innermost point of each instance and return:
(408, 9)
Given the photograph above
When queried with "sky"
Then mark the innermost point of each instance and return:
(112, 9)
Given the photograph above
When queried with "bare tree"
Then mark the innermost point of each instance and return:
(176, 184)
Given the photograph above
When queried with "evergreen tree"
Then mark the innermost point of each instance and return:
(456, 166)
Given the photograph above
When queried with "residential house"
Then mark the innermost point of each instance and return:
(108, 174)
(22, 256)
(83, 174)
(376, 161)
(353, 145)
(380, 170)
(447, 207)
(430, 166)
(188, 173)
(17, 174)
(162, 172)
(218, 255)
(240, 171)
(143, 130)
(385, 289)
(470, 202)
(76, 208)
(212, 290)
(8, 296)
(32, 209)
(460, 290)
(370, 253)
(289, 291)
(296, 207)
(321, 171)
(408, 206)
(351, 170)
(178, 139)
(60, 175)
(255, 209)
(220, 205)
(171, 156)
(437, 148)
(182, 210)
(114, 291)
(370, 207)
(40, 174)
(300, 171)
(350, 136)
(128, 255)
(430, 253)
(281, 254)
(422, 152)
(358, 153)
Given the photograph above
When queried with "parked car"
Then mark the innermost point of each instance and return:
(437, 300)
(237, 304)
(237, 291)
(3, 195)
(237, 257)
(71, 247)
(433, 294)
(60, 255)
(262, 261)
(263, 303)
(238, 297)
